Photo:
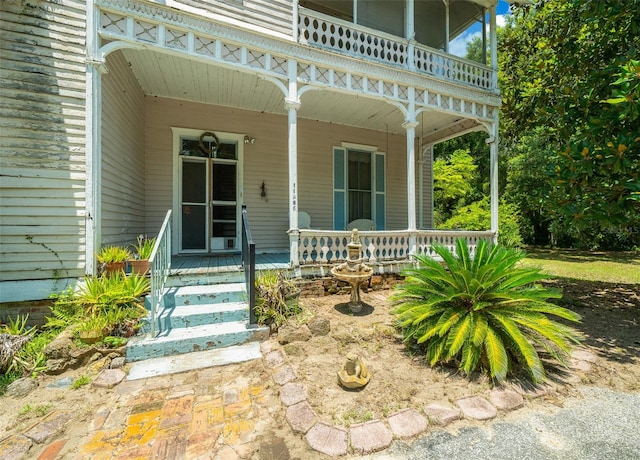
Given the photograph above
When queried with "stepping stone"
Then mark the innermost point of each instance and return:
(301, 417)
(370, 436)
(52, 426)
(327, 439)
(477, 408)
(109, 378)
(284, 374)
(292, 393)
(584, 355)
(274, 359)
(506, 399)
(578, 365)
(407, 423)
(441, 415)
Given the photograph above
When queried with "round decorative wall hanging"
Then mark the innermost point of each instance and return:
(212, 149)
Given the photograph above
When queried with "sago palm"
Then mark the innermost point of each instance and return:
(482, 311)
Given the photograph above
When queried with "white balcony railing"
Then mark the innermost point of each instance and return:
(331, 33)
(328, 247)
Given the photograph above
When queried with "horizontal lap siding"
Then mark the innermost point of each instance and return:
(276, 15)
(267, 160)
(123, 159)
(42, 146)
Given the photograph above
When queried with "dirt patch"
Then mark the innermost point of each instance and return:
(401, 379)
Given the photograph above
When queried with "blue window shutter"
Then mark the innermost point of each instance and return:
(380, 191)
(339, 189)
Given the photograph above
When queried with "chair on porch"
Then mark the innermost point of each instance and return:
(361, 224)
(304, 220)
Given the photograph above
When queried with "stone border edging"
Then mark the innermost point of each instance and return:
(376, 435)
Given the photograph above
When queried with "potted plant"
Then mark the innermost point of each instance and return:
(143, 249)
(113, 258)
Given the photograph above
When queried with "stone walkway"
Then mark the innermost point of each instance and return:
(238, 412)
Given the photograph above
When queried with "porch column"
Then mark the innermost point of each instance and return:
(95, 67)
(426, 160)
(493, 143)
(410, 125)
(447, 32)
(292, 104)
(493, 43)
(410, 33)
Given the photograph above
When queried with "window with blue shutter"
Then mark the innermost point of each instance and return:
(359, 187)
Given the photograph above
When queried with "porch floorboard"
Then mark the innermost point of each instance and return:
(200, 264)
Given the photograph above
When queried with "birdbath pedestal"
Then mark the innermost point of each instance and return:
(353, 271)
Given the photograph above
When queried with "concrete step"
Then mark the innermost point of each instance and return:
(175, 364)
(197, 338)
(204, 294)
(198, 315)
(199, 279)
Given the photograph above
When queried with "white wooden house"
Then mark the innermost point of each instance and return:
(114, 112)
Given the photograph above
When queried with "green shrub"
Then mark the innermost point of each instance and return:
(477, 216)
(276, 298)
(482, 312)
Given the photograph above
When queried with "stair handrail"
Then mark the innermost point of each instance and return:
(160, 262)
(249, 264)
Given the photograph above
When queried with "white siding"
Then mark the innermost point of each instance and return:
(123, 159)
(267, 160)
(275, 15)
(42, 147)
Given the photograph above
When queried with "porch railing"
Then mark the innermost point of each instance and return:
(328, 32)
(327, 247)
(160, 262)
(249, 264)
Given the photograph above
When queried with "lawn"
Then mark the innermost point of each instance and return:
(610, 267)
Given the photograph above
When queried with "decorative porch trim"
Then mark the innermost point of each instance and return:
(180, 33)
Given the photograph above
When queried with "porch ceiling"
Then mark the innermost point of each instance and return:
(174, 77)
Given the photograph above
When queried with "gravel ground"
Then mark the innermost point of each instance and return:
(604, 424)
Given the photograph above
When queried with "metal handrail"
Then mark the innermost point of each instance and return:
(160, 262)
(249, 264)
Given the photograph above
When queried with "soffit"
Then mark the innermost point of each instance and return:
(174, 77)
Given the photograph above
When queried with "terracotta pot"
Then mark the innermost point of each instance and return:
(141, 267)
(113, 267)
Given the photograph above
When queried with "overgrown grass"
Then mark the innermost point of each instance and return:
(610, 267)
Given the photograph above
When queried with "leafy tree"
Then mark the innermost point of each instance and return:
(570, 67)
(452, 179)
(481, 311)
(477, 216)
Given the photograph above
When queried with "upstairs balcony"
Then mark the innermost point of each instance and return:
(377, 31)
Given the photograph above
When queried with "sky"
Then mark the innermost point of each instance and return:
(459, 45)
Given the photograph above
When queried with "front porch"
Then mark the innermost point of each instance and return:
(319, 250)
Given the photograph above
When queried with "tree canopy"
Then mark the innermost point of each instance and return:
(570, 69)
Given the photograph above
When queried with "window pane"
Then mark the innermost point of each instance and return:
(359, 176)
(191, 148)
(193, 227)
(359, 205)
(224, 182)
(194, 182)
(228, 151)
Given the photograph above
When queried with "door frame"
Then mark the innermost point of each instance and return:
(177, 134)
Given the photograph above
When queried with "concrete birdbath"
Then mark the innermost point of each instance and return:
(353, 271)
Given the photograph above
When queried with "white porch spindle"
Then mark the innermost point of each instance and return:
(493, 142)
(292, 104)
